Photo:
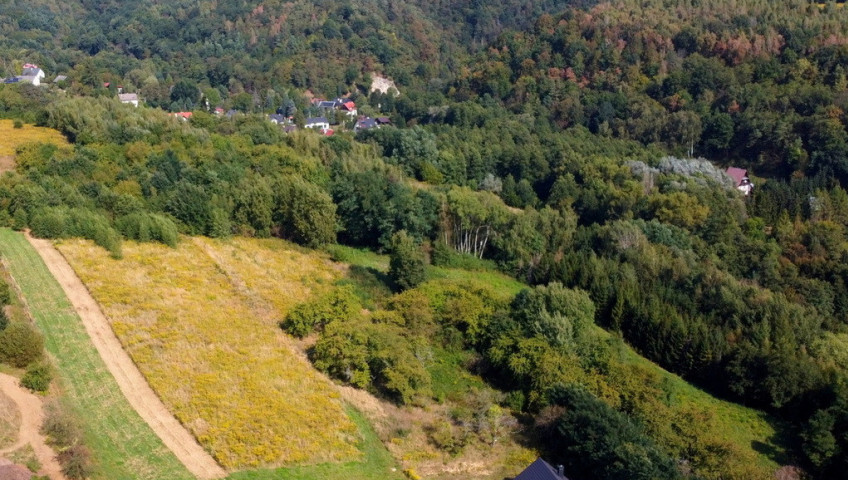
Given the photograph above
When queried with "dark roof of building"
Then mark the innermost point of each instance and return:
(540, 470)
(737, 174)
(366, 123)
(314, 120)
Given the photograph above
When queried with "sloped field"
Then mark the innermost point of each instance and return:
(123, 445)
(15, 137)
(200, 322)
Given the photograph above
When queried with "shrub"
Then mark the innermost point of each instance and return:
(20, 345)
(340, 304)
(5, 293)
(49, 223)
(304, 212)
(447, 437)
(61, 222)
(372, 355)
(146, 227)
(4, 320)
(60, 427)
(37, 377)
(18, 124)
(75, 462)
(406, 264)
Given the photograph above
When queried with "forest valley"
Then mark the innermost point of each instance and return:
(562, 142)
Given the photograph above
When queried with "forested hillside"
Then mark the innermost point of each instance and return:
(579, 147)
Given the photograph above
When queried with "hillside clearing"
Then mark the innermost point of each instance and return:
(15, 137)
(197, 322)
(122, 444)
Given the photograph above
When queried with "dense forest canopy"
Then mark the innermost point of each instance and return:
(559, 140)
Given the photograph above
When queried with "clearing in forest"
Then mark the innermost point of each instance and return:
(200, 321)
(15, 137)
(122, 444)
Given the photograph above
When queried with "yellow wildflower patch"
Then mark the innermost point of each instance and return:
(200, 322)
(15, 137)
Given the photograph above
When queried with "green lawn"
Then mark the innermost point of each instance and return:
(123, 445)
(377, 463)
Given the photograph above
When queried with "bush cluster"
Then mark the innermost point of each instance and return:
(20, 345)
(37, 377)
(64, 434)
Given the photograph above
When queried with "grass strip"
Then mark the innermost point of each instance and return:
(123, 445)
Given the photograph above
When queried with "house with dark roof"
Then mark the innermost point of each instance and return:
(277, 118)
(541, 470)
(365, 123)
(345, 105)
(740, 179)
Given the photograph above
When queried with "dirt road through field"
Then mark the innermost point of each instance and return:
(132, 383)
(32, 416)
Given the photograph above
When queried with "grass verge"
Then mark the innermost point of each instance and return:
(123, 445)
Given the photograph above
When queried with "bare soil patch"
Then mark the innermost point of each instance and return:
(131, 382)
(31, 416)
(7, 163)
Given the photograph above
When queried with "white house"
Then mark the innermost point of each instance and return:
(32, 74)
(29, 74)
(317, 122)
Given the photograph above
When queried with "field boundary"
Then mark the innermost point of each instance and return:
(129, 379)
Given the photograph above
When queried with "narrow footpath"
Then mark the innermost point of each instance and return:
(32, 415)
(130, 380)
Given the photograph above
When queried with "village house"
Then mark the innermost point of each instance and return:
(541, 470)
(30, 73)
(317, 122)
(345, 105)
(184, 116)
(365, 123)
(740, 180)
(129, 98)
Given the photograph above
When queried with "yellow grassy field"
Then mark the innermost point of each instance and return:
(200, 322)
(11, 138)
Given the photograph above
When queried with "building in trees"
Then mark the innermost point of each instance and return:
(30, 73)
(317, 122)
(129, 98)
(740, 179)
(541, 470)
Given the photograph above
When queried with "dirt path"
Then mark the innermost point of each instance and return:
(32, 416)
(133, 385)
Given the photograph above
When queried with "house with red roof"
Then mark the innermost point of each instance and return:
(740, 180)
